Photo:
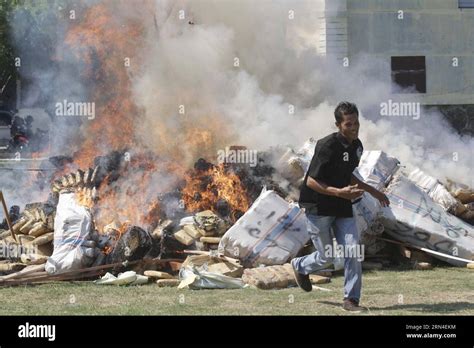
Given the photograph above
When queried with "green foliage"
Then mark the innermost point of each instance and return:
(7, 66)
(38, 13)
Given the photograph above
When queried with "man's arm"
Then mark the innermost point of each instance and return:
(348, 192)
(383, 199)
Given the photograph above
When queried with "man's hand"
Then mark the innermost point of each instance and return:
(382, 198)
(350, 192)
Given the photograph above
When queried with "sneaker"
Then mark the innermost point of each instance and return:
(302, 279)
(351, 305)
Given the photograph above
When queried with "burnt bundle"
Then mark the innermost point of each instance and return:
(80, 181)
(251, 177)
(133, 245)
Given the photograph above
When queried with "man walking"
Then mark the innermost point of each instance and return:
(327, 194)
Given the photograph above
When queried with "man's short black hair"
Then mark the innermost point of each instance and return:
(345, 108)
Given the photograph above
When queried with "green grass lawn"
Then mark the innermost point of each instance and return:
(442, 291)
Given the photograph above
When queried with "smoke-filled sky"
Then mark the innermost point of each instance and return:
(175, 63)
(279, 65)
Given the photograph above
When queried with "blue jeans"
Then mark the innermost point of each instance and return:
(347, 236)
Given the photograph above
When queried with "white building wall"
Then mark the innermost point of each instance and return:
(333, 31)
(436, 29)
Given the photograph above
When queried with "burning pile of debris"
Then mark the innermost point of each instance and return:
(425, 221)
(90, 229)
(221, 226)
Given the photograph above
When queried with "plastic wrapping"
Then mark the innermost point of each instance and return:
(125, 278)
(72, 227)
(414, 218)
(193, 278)
(376, 168)
(271, 232)
(434, 189)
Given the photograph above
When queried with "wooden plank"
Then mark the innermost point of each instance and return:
(7, 216)
(72, 274)
(23, 272)
(428, 251)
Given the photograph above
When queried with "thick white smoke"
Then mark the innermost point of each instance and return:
(239, 70)
(279, 66)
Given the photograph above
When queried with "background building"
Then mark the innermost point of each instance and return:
(427, 45)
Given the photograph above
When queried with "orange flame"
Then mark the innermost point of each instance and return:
(106, 44)
(84, 198)
(218, 184)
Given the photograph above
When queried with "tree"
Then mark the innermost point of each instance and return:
(27, 31)
(8, 71)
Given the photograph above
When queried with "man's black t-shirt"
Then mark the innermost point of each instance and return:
(333, 162)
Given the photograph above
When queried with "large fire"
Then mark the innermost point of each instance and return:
(105, 44)
(129, 191)
(213, 188)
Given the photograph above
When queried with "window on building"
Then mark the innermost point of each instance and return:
(409, 73)
(466, 3)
